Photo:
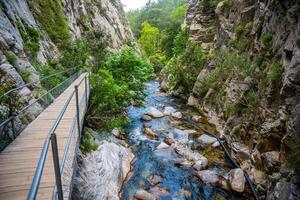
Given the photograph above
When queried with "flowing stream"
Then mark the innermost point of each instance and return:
(173, 182)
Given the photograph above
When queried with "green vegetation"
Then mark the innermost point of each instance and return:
(88, 144)
(51, 17)
(31, 38)
(149, 39)
(25, 75)
(266, 39)
(275, 71)
(236, 130)
(11, 57)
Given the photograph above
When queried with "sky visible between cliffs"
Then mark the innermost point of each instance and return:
(133, 4)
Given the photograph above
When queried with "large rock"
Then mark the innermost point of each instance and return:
(206, 140)
(103, 172)
(150, 134)
(237, 180)
(177, 115)
(180, 136)
(144, 195)
(153, 112)
(146, 118)
(271, 161)
(242, 151)
(162, 146)
(208, 177)
(185, 151)
(169, 110)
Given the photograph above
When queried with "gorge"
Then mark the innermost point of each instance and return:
(166, 80)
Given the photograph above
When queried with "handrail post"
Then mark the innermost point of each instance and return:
(11, 115)
(56, 166)
(86, 92)
(77, 110)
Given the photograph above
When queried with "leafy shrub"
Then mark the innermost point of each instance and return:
(248, 27)
(266, 39)
(158, 60)
(127, 68)
(11, 57)
(232, 109)
(149, 40)
(181, 41)
(236, 129)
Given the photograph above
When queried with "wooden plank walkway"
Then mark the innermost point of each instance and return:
(19, 160)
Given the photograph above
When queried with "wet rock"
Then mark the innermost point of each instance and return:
(242, 151)
(271, 161)
(168, 141)
(177, 115)
(116, 132)
(200, 164)
(169, 110)
(216, 144)
(180, 136)
(206, 140)
(208, 177)
(146, 118)
(104, 169)
(153, 112)
(190, 131)
(185, 151)
(184, 163)
(154, 179)
(158, 192)
(237, 180)
(162, 146)
(150, 134)
(144, 195)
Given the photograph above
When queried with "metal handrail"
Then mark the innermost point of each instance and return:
(33, 82)
(52, 138)
(12, 114)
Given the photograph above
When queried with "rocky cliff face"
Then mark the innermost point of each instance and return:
(30, 32)
(250, 85)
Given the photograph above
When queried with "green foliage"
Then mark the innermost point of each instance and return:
(232, 109)
(165, 15)
(88, 144)
(25, 75)
(181, 41)
(239, 30)
(266, 39)
(183, 69)
(11, 57)
(149, 40)
(49, 69)
(120, 80)
(158, 60)
(31, 38)
(275, 71)
(51, 16)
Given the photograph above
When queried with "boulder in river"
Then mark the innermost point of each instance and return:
(237, 180)
(162, 146)
(169, 110)
(144, 195)
(153, 112)
(177, 115)
(146, 118)
(103, 172)
(150, 134)
(208, 177)
(180, 136)
(206, 140)
(168, 140)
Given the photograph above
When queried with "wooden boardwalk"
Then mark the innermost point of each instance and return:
(19, 160)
